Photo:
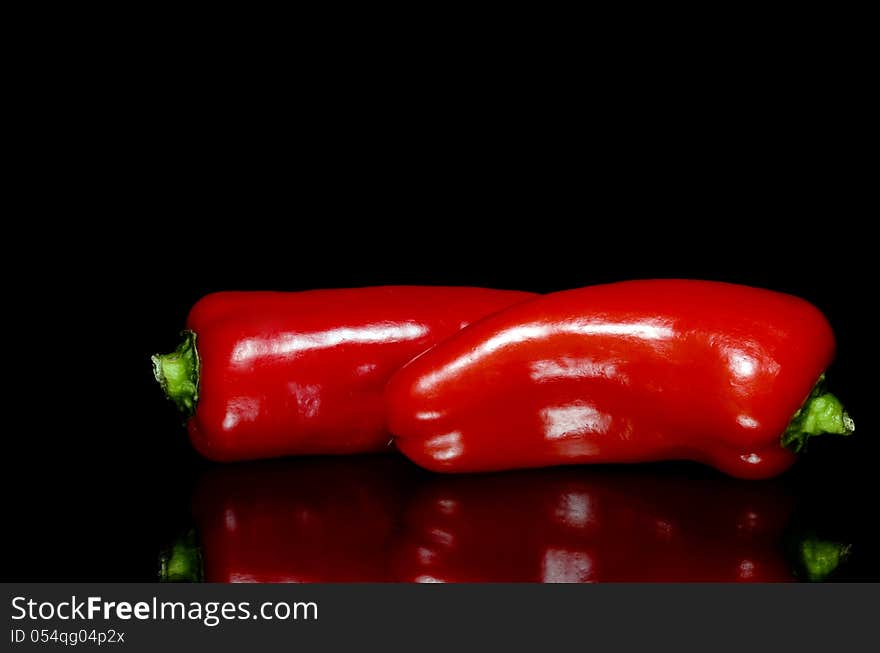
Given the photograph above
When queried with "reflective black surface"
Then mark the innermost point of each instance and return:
(380, 519)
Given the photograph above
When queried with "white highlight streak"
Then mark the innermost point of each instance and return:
(428, 415)
(243, 409)
(444, 447)
(291, 343)
(639, 330)
(427, 579)
(561, 566)
(742, 365)
(573, 420)
(575, 509)
(572, 368)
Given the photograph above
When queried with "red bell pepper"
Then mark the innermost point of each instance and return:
(266, 374)
(625, 372)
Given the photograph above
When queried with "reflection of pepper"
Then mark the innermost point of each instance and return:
(579, 525)
(303, 373)
(376, 518)
(625, 372)
(317, 520)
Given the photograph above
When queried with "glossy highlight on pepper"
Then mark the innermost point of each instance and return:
(626, 372)
(268, 374)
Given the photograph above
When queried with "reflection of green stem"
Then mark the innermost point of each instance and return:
(821, 413)
(817, 558)
(178, 373)
(182, 561)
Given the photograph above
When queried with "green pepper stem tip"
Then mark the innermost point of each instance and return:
(182, 561)
(178, 373)
(822, 413)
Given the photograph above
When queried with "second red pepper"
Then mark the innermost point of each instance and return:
(625, 372)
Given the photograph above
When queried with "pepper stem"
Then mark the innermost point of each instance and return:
(182, 561)
(178, 373)
(821, 413)
(818, 558)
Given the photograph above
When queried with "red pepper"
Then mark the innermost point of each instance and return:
(626, 372)
(265, 374)
(577, 526)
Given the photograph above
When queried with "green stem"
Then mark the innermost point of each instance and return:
(821, 413)
(182, 561)
(818, 558)
(178, 373)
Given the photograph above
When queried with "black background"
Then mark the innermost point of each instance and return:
(130, 220)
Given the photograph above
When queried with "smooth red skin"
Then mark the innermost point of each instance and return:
(625, 372)
(303, 373)
(316, 520)
(587, 526)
